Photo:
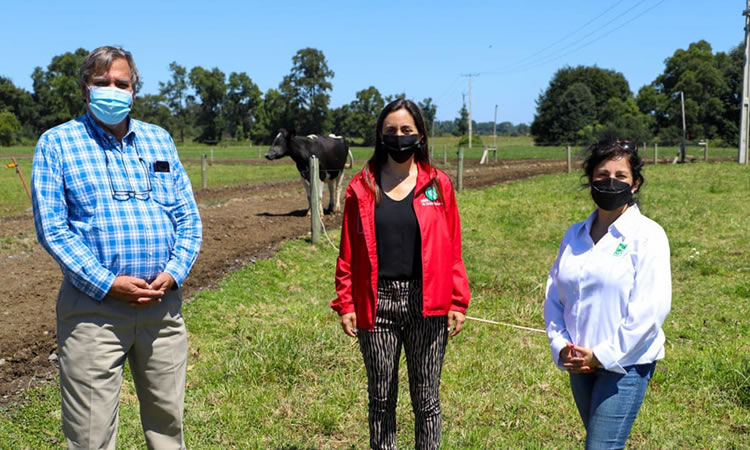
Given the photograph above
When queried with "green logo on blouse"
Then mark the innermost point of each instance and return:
(431, 193)
(620, 248)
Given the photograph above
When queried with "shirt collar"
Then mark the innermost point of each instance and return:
(103, 135)
(624, 225)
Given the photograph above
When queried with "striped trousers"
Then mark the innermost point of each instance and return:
(399, 321)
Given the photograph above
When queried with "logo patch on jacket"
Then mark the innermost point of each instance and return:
(620, 248)
(431, 197)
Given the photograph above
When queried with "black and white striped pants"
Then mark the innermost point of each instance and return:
(399, 320)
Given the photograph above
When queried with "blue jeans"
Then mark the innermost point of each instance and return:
(608, 403)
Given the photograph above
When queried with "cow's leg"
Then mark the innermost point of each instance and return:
(338, 183)
(320, 198)
(331, 187)
(306, 184)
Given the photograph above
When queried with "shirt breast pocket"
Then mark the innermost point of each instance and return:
(163, 188)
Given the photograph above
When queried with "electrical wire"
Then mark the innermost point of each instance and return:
(533, 64)
(569, 34)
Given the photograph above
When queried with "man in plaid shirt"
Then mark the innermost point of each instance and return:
(114, 207)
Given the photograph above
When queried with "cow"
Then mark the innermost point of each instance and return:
(332, 152)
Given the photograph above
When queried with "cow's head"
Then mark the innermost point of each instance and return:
(280, 146)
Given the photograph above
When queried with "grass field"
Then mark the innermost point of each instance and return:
(270, 368)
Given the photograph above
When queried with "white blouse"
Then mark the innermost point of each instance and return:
(612, 296)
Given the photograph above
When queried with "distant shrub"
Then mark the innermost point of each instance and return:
(475, 140)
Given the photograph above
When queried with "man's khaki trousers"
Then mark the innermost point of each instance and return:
(94, 339)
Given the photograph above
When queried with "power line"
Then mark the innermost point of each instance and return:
(526, 66)
(450, 88)
(569, 34)
(596, 39)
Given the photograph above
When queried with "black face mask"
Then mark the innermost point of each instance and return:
(401, 147)
(611, 194)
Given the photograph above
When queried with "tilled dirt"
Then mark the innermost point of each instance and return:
(240, 224)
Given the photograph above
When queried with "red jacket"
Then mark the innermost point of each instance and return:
(445, 285)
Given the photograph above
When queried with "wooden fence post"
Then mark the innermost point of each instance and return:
(460, 175)
(204, 168)
(567, 150)
(445, 156)
(314, 200)
(656, 153)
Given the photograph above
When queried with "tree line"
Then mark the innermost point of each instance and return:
(584, 103)
(208, 106)
(581, 104)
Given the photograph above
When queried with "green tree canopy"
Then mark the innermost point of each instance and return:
(57, 90)
(711, 85)
(210, 87)
(364, 111)
(175, 94)
(429, 111)
(305, 91)
(19, 102)
(242, 101)
(576, 109)
(9, 128)
(549, 126)
(462, 122)
(152, 109)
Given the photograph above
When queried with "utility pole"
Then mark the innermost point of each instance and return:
(470, 75)
(684, 129)
(745, 105)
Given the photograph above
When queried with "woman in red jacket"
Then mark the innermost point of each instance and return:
(400, 278)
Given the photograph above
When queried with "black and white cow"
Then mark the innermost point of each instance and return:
(331, 152)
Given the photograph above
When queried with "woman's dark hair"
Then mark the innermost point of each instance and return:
(380, 156)
(610, 148)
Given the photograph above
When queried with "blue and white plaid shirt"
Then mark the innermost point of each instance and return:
(104, 208)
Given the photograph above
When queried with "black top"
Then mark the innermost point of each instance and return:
(398, 238)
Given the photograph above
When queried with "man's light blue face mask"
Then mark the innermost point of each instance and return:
(111, 105)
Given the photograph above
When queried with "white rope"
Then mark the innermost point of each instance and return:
(519, 327)
(326, 234)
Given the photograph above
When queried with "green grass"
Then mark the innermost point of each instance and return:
(270, 368)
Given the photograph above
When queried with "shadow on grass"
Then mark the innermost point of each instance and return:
(295, 213)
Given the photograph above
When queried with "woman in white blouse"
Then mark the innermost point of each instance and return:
(608, 294)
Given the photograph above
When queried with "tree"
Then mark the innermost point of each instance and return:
(576, 110)
(9, 128)
(19, 102)
(392, 97)
(622, 119)
(243, 98)
(364, 111)
(429, 111)
(174, 92)
(270, 116)
(57, 90)
(549, 127)
(152, 109)
(211, 87)
(341, 121)
(305, 90)
(462, 122)
(711, 85)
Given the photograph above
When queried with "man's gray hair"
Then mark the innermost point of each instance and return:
(100, 60)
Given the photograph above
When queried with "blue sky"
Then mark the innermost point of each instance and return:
(420, 48)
